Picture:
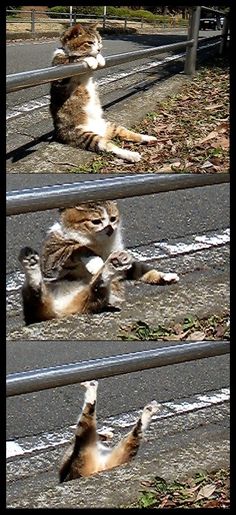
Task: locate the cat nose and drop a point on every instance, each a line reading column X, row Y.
column 109, row 230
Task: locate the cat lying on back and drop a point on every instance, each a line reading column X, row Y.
column 86, row 454
column 81, row 266
column 75, row 106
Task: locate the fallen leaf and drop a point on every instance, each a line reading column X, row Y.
column 205, row 492
column 223, row 142
column 212, row 134
column 196, row 335
column 207, row 164
column 220, row 331
column 212, row 107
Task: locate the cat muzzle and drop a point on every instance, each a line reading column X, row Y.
column 109, row 230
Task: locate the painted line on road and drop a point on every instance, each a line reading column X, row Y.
column 45, row 441
column 192, row 244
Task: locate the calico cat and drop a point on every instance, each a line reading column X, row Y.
column 81, row 265
column 86, row 455
column 74, row 102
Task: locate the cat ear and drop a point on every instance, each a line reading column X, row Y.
column 76, row 30
column 72, row 32
column 94, row 25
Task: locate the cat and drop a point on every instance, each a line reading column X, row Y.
column 82, row 266
column 86, row 455
column 74, row 102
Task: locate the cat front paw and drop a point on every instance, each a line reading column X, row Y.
column 101, row 61
column 91, row 62
column 28, row 258
column 121, row 260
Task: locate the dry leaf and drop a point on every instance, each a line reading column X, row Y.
column 212, row 134
column 212, row 107
column 207, row 164
column 205, row 492
column 223, row 142
column 196, row 335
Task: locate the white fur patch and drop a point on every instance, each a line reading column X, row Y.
column 91, row 391
column 133, row 157
column 33, row 275
column 95, row 121
column 58, row 51
column 147, row 138
column 93, row 264
column 64, row 293
column 101, row 61
column 171, row 277
column 91, row 62
column 147, row 414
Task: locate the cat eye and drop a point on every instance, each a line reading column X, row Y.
column 96, row 221
column 113, row 218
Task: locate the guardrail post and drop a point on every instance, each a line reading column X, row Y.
column 104, row 21
column 141, row 23
column 125, row 26
column 74, row 18
column 33, row 21
column 71, row 16
column 224, row 35
column 191, row 52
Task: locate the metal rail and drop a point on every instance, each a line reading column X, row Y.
column 17, row 81
column 63, row 375
column 63, row 195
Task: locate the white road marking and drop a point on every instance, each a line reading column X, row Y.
column 26, row 446
column 13, row 449
column 194, row 243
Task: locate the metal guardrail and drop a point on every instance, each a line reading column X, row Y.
column 17, row 81
column 55, row 196
column 63, row 375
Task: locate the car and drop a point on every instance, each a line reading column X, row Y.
column 209, row 23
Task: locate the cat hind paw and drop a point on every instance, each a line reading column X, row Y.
column 148, row 139
column 170, row 278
